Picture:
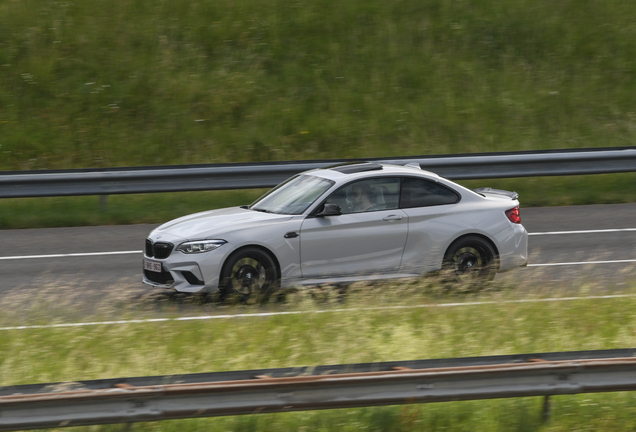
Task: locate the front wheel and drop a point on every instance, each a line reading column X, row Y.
column 470, row 260
column 250, row 272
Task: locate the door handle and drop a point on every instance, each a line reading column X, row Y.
column 391, row 218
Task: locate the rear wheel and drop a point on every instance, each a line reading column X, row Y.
column 249, row 273
column 470, row 260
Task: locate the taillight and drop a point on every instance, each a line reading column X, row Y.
column 513, row 215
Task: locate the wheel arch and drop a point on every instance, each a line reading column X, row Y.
column 481, row 236
column 244, row 247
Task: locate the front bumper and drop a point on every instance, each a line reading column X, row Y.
column 189, row 273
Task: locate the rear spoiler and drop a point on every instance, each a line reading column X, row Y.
column 491, row 191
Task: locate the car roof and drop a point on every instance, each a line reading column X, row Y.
column 355, row 167
column 353, row 170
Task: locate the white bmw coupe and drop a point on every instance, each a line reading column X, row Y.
column 343, row 223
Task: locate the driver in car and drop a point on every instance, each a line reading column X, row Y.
column 362, row 198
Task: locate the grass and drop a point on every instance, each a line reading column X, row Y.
column 94, row 84
column 358, row 335
column 115, row 209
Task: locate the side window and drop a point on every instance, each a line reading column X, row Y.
column 380, row 193
column 423, row 193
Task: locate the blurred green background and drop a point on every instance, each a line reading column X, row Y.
column 139, row 82
column 143, row 82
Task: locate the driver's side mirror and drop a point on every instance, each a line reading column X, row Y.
column 330, row 209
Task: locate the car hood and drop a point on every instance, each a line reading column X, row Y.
column 209, row 224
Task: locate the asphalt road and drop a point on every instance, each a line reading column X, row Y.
column 26, row 263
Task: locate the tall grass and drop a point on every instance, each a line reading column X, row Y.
column 361, row 334
column 141, row 82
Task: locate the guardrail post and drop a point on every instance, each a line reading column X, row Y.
column 547, row 409
column 102, row 202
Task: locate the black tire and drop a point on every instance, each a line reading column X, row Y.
column 249, row 273
column 470, row 260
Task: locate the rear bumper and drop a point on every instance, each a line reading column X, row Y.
column 513, row 247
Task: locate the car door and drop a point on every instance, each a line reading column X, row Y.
column 435, row 216
column 363, row 239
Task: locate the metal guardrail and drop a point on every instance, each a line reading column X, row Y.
column 22, row 184
column 326, row 387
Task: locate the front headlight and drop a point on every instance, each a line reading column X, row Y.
column 200, row 246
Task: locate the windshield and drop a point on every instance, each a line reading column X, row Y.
column 293, row 196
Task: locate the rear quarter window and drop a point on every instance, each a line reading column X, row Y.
column 424, row 193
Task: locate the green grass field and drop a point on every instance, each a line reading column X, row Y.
column 125, row 83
